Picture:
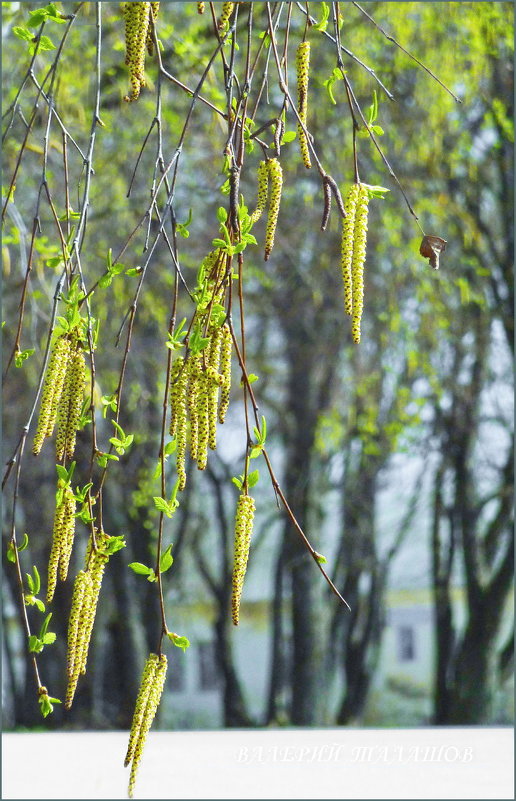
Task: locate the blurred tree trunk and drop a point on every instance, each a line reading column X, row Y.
column 467, row 662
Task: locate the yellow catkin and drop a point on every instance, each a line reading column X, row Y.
column 276, row 181
column 200, row 8
column 153, row 698
column 74, row 620
column 227, row 10
column 96, row 569
column 179, row 414
column 84, row 607
column 302, row 68
column 77, row 370
column 357, row 266
column 225, row 369
column 263, row 191
column 77, row 634
column 215, row 381
column 58, row 538
column 348, row 230
column 203, row 418
column 68, row 532
column 136, row 33
column 146, row 682
column 51, row 392
column 154, row 9
column 174, row 374
column 192, row 397
column 243, row 531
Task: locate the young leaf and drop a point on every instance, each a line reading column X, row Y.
column 253, row 478
column 163, row 506
column 35, row 644
column 11, row 552
column 320, row 558
column 24, row 543
column 140, row 569
column 166, row 560
column 21, row 356
column 180, row 642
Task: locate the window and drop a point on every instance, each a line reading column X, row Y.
column 208, row 668
column 406, row 644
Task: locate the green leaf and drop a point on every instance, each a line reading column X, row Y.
column 141, row 570
column 37, row 580
column 170, row 447
column 23, row 33
column 180, row 642
column 252, row 378
column 323, row 24
column 44, row 43
column 376, row 191
column 133, row 271
column 103, row 458
column 105, row 281
column 11, row 552
column 22, row 355
column 62, row 473
column 46, row 704
column 163, row 506
column 114, row 544
column 166, row 560
column 287, row 137
column 320, row 558
column 24, row 543
column 255, row 453
column 44, row 626
column 35, row 644
column 39, row 604
column 222, row 214
column 218, row 243
column 49, row 638
column 237, row 482
column 253, row 478
column 30, row 583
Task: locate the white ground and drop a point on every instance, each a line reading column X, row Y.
column 454, row 763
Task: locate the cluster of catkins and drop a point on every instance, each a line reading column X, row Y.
column 147, row 702
column 138, row 40
column 86, row 592
column 269, row 172
column 62, row 536
column 62, row 396
column 354, row 235
column 243, row 531
column 200, row 382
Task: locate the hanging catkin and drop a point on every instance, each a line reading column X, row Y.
column 357, row 266
column 348, row 232
column 227, row 10
column 276, row 182
column 243, row 531
column 62, row 539
column 302, row 68
column 147, row 702
column 137, row 40
column 263, row 191
column 51, row 392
